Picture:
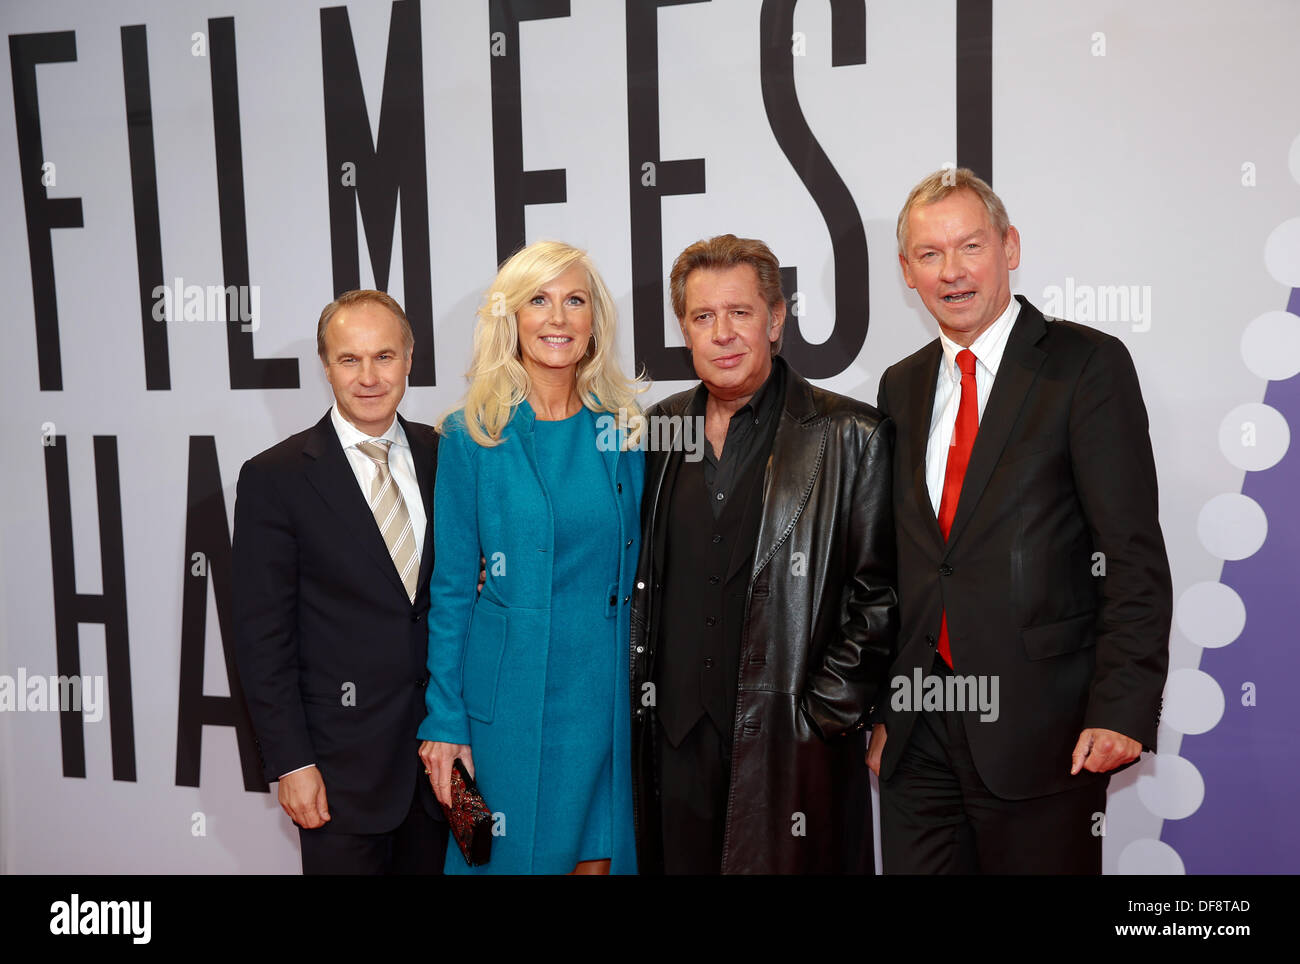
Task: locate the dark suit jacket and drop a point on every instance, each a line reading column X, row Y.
column 1061, row 488
column 331, row 651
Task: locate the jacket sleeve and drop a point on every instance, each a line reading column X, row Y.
column 1115, row 477
column 452, row 585
column 264, row 605
column 882, row 396
column 876, row 713
column 840, row 692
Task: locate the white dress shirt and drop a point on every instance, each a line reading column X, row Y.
column 987, row 349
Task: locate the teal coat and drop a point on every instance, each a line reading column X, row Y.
column 488, row 651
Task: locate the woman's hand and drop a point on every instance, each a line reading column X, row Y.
column 438, row 758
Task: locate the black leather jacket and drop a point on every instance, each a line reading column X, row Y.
column 821, row 622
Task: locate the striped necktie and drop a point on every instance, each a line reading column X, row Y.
column 391, row 516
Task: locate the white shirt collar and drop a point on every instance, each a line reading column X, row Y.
column 350, row 435
column 987, row 348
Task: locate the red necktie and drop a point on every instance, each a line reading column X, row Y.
column 963, row 440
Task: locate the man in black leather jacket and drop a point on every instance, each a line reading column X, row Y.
column 765, row 611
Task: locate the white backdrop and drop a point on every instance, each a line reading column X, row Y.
column 1136, row 145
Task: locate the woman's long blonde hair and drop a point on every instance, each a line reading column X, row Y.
column 498, row 381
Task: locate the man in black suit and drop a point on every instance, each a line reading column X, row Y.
column 331, row 557
column 1033, row 581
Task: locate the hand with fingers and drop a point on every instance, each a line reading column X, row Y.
column 438, row 758
column 302, row 797
column 1100, row 751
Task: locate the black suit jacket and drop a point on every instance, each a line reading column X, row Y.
column 1054, row 575
column 331, row 651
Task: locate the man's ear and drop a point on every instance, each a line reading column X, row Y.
column 907, row 272
column 776, row 321
column 1011, row 247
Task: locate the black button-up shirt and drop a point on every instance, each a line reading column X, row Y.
column 749, row 432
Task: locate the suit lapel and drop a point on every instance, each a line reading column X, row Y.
column 330, row 473
column 611, row 458
column 797, row 449
column 667, row 478
column 664, row 466
column 521, row 427
column 424, row 457
column 920, row 399
column 1016, row 373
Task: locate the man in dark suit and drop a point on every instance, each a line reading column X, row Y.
column 331, row 557
column 1033, row 582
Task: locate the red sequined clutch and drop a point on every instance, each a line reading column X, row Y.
column 469, row 818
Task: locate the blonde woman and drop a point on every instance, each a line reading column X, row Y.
column 529, row 678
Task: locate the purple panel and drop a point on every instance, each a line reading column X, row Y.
column 1247, row 823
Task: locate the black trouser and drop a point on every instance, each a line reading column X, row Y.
column 693, row 779
column 418, row 845
column 938, row 817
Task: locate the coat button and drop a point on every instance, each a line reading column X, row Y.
column 713, row 580
column 629, row 543
column 945, row 570
column 620, row 486
column 640, row 649
column 711, row 621
column 717, row 539
column 640, row 585
column 625, row 600
column 708, row 663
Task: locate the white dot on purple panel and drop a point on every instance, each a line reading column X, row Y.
column 1147, row 856
column 1171, row 787
column 1282, row 253
column 1254, row 436
column 1232, row 526
column 1270, row 345
column 1194, row 701
column 1210, row 614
